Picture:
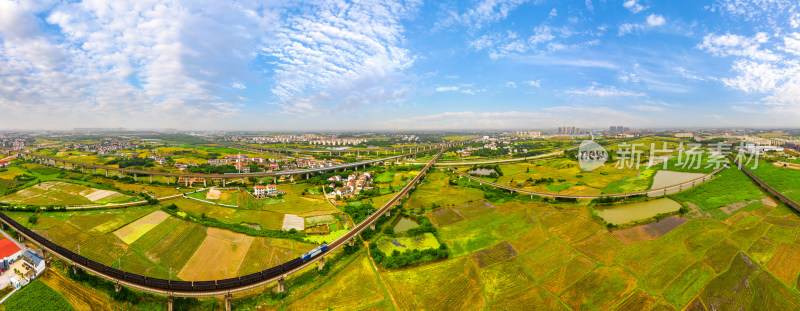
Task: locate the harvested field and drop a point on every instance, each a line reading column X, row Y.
column 720, row 255
column 492, row 255
column 355, row 287
column 731, row 290
column 133, row 231
column 530, row 240
column 291, row 221
column 183, row 250
column 474, row 209
column 80, row 298
column 105, row 249
column 770, row 294
column 535, row 296
column 546, row 258
column 576, row 229
column 657, row 278
column 600, row 246
column 451, row 284
column 681, row 290
column 649, row 231
column 599, row 289
column 504, row 279
column 568, row 274
column 443, row 216
column 783, row 264
column 228, row 249
column 638, row 301
column 65, row 235
column 763, row 249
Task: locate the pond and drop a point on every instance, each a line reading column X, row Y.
column 665, row 178
column 404, row 224
column 625, row 213
column 482, row 171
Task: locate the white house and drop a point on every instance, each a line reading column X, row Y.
column 33, row 261
column 260, row 190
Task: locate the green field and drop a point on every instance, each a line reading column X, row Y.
column 388, row 244
column 37, row 296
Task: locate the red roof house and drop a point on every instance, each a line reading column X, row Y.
column 9, row 250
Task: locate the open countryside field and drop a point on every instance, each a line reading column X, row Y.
column 62, row 193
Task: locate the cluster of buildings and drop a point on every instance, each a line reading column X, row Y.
column 351, row 185
column 243, row 162
column 618, row 129
column 273, row 139
column 337, row 141
column 569, row 130
column 107, row 146
column 15, row 144
column 529, row 134
column 265, row 190
column 21, row 266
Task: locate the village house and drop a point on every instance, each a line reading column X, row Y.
column 4, row 163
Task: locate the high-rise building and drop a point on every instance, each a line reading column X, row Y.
column 618, row 129
column 569, row 130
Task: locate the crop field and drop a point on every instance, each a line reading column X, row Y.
column 504, row 279
column 474, row 209
column 551, row 255
column 782, row 263
column 566, row 275
column 97, row 223
column 402, row 244
column 133, row 231
column 105, row 248
column 80, row 298
column 156, row 234
column 451, row 284
column 340, row 294
column 471, row 235
column 37, row 296
column 228, row 250
column 599, row 289
column 62, row 193
column 688, row 284
column 718, row 192
column 265, row 219
column 782, row 179
column 433, row 190
column 177, row 246
column 566, row 177
column 732, row 288
column 492, row 255
column 444, row 216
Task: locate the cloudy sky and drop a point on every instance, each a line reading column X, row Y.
column 384, row 64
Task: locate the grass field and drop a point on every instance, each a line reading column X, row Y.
column 451, row 284
column 718, row 192
column 339, row 294
column 387, row 245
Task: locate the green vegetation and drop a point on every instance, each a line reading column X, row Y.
column 37, row 296
column 728, row 187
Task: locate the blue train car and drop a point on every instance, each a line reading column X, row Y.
column 314, row 252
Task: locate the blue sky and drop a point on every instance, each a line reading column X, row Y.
column 374, row 65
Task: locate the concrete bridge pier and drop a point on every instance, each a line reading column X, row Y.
column 117, row 287
column 106, row 172
column 168, row 180
column 351, row 242
column 135, row 178
column 389, row 212
column 228, row 302
column 291, row 178
column 151, row 179
column 321, row 264
column 281, row 288
column 372, row 226
column 82, row 170
column 170, row 303
column 274, row 179
column 205, row 183
column 224, row 182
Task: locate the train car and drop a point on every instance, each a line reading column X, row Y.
column 96, row 266
column 204, row 285
column 228, row 283
column 251, row 278
column 79, row 259
column 157, row 283
column 115, row 273
column 272, row 272
column 291, row 264
column 314, row 252
column 180, row 285
column 134, row 278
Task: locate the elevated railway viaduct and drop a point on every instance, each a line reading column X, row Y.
column 226, row 287
column 224, row 178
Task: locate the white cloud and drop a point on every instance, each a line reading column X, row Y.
column 736, row 45
column 589, row 5
column 533, row 83
column 649, row 108
column 447, row 88
column 603, row 91
column 791, row 43
column 341, row 56
column 484, row 13
column 633, row 6
column 511, row 84
column 654, row 20
column 238, row 86
column 553, row 13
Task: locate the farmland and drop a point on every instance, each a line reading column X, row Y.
column 37, row 296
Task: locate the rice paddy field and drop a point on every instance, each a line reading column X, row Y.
column 63, row 193
column 557, row 256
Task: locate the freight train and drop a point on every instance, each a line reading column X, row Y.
column 196, row 286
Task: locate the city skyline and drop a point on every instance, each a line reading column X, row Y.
column 399, row 65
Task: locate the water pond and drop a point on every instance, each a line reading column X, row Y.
column 404, row 224
column 625, row 213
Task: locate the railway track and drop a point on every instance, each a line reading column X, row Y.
column 213, row 287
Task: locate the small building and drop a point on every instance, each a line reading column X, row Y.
column 35, row 262
column 16, row 281
column 9, row 251
column 272, row 189
column 260, row 191
column 5, row 163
